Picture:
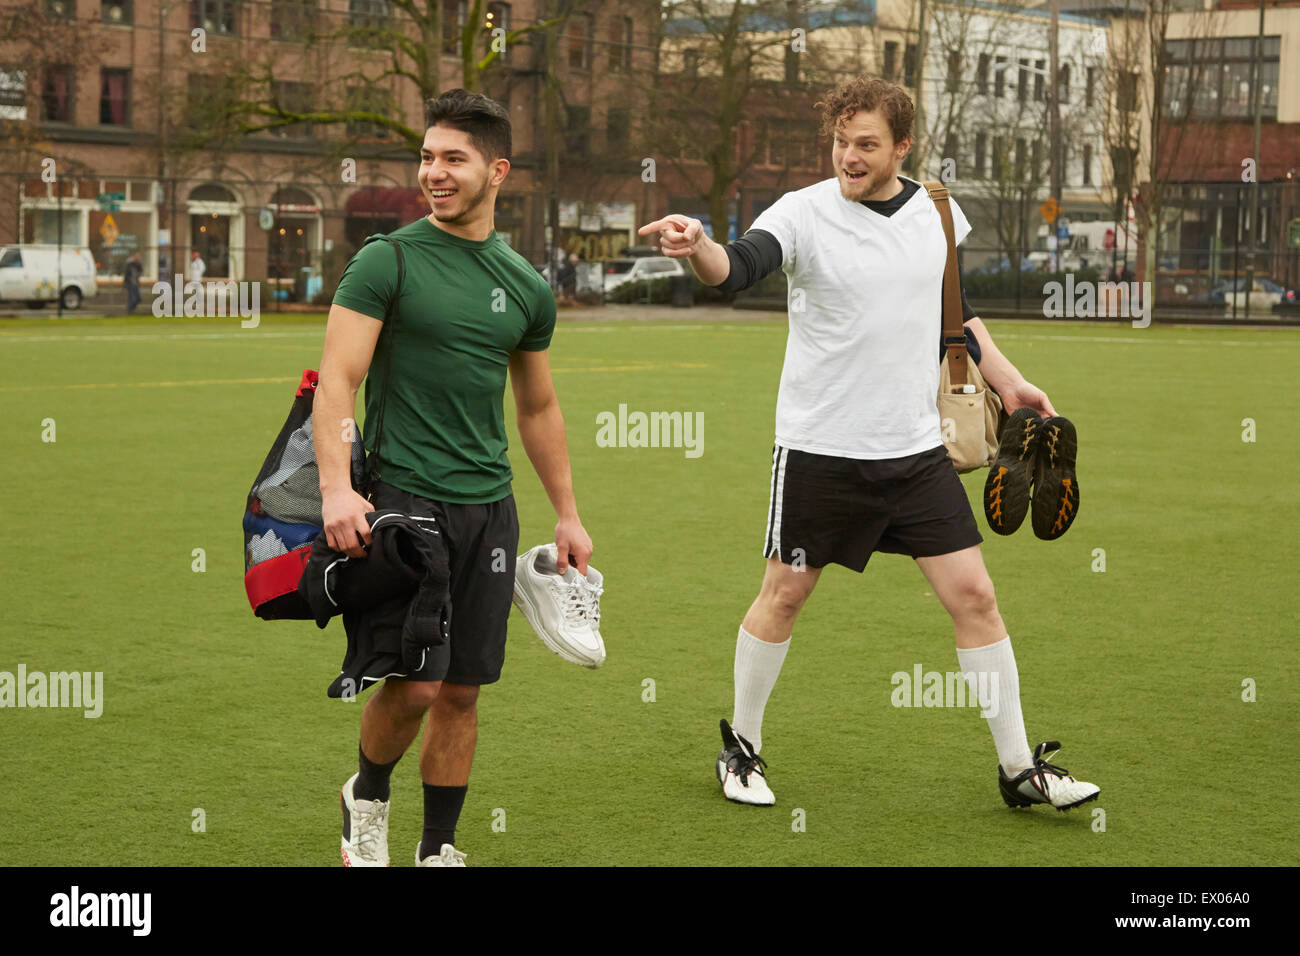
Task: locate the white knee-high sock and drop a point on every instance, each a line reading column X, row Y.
column 1005, row 720
column 758, row 664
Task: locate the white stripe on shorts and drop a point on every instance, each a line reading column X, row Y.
column 773, row 543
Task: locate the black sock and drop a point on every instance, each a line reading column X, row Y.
column 372, row 781
column 441, row 811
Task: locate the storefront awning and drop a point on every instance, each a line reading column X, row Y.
column 405, row 204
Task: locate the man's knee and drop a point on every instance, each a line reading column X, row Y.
column 975, row 597
column 457, row 698
column 411, row 697
column 787, row 591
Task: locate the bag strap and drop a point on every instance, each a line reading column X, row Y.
column 390, row 328
column 954, row 335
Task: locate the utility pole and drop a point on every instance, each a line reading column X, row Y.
column 919, row 69
column 552, row 107
column 1054, row 118
column 1256, row 73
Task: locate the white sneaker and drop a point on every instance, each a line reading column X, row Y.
column 365, row 829
column 449, row 856
column 1045, row 783
column 740, row 771
column 564, row 610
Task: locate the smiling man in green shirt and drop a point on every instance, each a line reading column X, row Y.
column 470, row 309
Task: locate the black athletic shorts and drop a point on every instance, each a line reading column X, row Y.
column 825, row 509
column 481, row 544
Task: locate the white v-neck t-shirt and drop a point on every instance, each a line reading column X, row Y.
column 865, row 301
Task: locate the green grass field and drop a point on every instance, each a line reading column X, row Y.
column 1139, row 670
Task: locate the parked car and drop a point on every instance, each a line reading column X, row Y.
column 1263, row 295
column 31, row 274
column 620, row 272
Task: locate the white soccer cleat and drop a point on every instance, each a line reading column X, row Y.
column 449, row 856
column 1045, row 783
column 365, row 829
column 564, row 609
column 740, row 772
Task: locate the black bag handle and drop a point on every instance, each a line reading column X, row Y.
column 390, row 328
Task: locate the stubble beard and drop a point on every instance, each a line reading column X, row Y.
column 466, row 213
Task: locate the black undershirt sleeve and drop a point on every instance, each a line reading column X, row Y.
column 753, row 256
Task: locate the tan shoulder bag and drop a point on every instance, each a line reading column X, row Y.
column 970, row 413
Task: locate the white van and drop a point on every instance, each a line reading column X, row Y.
column 31, row 274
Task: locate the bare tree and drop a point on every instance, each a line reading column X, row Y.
column 726, row 56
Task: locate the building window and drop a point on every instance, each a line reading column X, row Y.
column 620, row 47
column 691, row 62
column 909, row 65
column 580, row 42
column 294, row 98
column 617, row 130
column 981, row 149
column 61, row 9
column 454, row 13
column 1063, row 87
column 890, row 70
column 368, row 99
column 1090, row 86
column 114, row 97
column 954, row 71
column 13, row 93
column 1087, row 164
column 213, row 16
column 1211, row 79
column 1022, row 82
column 1000, row 78
column 999, row 151
column 1020, row 160
column 577, row 129
column 1039, row 66
column 982, row 75
column 368, row 21
column 292, row 19
column 116, row 12
column 497, row 17
column 951, row 145
column 1127, row 93
column 56, row 95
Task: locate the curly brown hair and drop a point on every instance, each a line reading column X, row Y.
column 868, row 93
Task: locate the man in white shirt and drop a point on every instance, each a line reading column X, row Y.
column 197, row 267
column 859, row 465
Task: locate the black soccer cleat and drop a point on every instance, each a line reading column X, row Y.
column 1006, row 491
column 1045, row 783
column 1056, row 486
column 739, row 769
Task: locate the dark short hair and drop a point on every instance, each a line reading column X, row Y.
column 485, row 120
column 868, row 93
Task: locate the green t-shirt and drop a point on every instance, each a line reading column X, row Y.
column 465, row 306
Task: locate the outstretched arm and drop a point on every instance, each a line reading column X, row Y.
column 683, row 237
column 541, row 428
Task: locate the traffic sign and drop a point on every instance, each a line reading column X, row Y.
column 108, row 231
column 1050, row 209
